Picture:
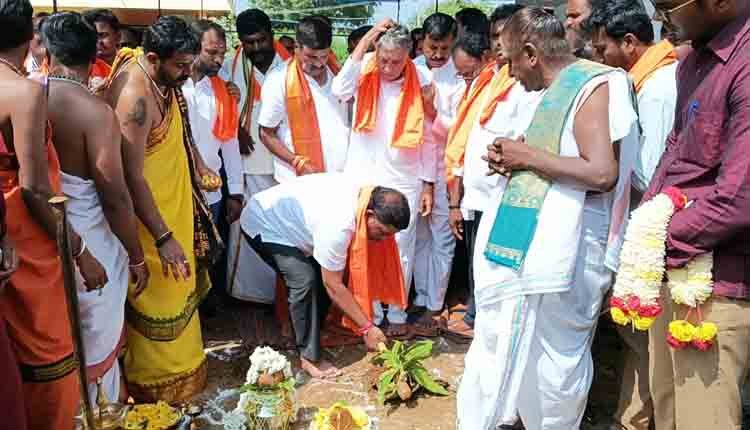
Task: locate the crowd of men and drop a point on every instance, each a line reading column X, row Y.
column 280, row 175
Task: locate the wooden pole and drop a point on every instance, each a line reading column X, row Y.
column 71, row 298
column 54, row 6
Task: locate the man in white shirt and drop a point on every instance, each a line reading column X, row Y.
column 247, row 69
column 301, row 122
column 502, row 112
column 305, row 228
column 435, row 243
column 203, row 109
column 624, row 37
column 386, row 144
column 539, row 262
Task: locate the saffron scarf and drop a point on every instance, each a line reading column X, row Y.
column 468, row 111
column 303, row 119
column 516, row 221
column 657, row 56
column 227, row 115
column 409, row 128
column 333, row 63
column 374, row 266
column 100, row 69
column 499, row 89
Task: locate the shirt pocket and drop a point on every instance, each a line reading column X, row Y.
column 701, row 143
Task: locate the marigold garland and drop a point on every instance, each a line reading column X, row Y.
column 635, row 299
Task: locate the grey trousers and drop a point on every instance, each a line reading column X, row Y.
column 308, row 300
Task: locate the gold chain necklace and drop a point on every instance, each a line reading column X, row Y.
column 68, row 79
column 156, row 87
column 11, row 66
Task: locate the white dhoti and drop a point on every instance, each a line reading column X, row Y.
column 249, row 277
column 102, row 316
column 435, row 246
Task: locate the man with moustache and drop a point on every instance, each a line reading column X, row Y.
column 248, row 68
column 302, row 122
column 214, row 120
column 108, row 42
column 165, row 358
column 435, row 243
column 706, row 158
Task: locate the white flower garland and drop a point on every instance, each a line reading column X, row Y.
column 635, row 297
column 265, row 360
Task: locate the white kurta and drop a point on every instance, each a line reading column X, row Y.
column 331, row 113
column 313, row 213
column 656, row 107
column 531, row 352
column 372, row 159
column 435, row 242
column 102, row 316
column 248, row 276
column 202, row 111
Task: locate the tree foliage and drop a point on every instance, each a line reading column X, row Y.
column 450, row 7
column 281, row 11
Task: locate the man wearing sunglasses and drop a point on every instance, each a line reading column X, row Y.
column 706, row 158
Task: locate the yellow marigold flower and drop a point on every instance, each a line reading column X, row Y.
column 643, row 323
column 706, row 331
column 682, row 330
column 618, row 316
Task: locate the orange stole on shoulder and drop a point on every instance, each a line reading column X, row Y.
column 499, row 89
column 100, row 69
column 374, row 267
column 227, row 113
column 303, row 119
column 468, row 111
column 660, row 55
column 409, row 128
column 281, row 50
column 333, row 63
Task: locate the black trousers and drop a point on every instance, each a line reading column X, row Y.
column 308, row 300
column 470, row 231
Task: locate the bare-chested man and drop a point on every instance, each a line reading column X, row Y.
column 165, row 358
column 87, row 137
column 33, row 303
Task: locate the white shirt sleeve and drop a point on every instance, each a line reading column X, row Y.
column 344, row 85
column 230, row 151
column 656, row 107
column 428, row 155
column 273, row 94
column 331, row 246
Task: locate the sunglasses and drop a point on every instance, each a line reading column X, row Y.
column 664, row 14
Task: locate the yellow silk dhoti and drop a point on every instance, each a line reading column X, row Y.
column 165, row 358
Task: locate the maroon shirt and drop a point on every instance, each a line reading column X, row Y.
column 708, row 158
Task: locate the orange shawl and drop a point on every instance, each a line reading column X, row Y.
column 659, row 55
column 227, row 114
column 100, row 69
column 333, row 63
column 470, row 109
column 374, row 266
column 409, row 127
column 303, row 120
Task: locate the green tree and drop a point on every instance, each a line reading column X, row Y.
column 450, row 7
column 282, row 10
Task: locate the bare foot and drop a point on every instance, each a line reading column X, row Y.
column 320, row 370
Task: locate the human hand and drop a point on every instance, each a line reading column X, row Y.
column 383, row 25
column 247, row 146
column 308, row 169
column 8, row 262
column 456, row 223
column 173, row 260
column 506, row 155
column 234, row 209
column 233, row 90
column 427, row 199
column 374, row 337
column 139, row 275
column 93, row 273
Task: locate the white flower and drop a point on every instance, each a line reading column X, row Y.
column 265, row 360
column 693, row 284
